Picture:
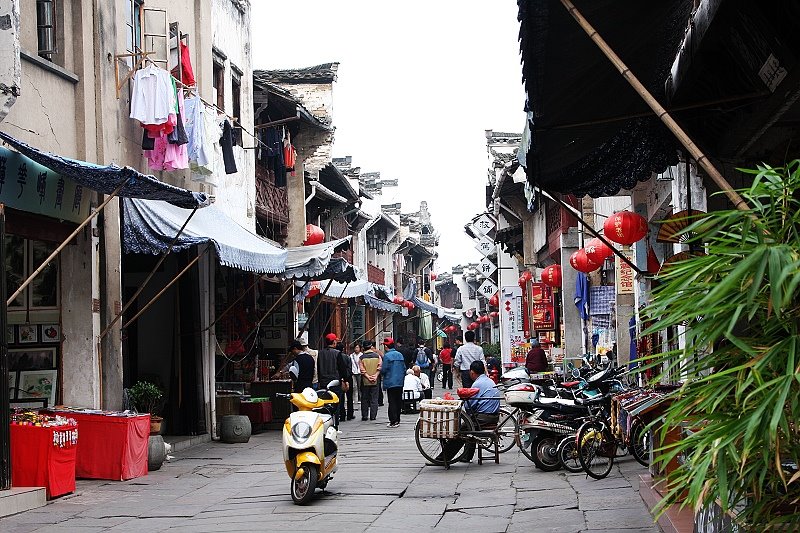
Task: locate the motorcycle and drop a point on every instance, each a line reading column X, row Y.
column 310, row 441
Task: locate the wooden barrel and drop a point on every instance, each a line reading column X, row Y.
column 235, row 428
column 156, row 452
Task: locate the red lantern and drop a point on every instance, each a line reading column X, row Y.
column 525, row 278
column 313, row 289
column 399, row 300
column 581, row 263
column 625, row 227
column 433, row 276
column 494, row 301
column 314, row 235
column 494, row 314
column 409, row 305
column 551, row 276
column 597, row 251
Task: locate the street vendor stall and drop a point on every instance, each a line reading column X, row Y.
column 43, row 451
column 113, row 445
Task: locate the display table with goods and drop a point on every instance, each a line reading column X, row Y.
column 258, row 410
column 280, row 406
column 43, row 450
column 113, row 445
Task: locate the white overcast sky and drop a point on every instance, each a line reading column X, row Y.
column 419, row 82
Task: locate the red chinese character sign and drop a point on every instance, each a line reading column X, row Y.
column 542, row 307
column 625, row 275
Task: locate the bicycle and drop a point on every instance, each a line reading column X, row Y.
column 452, row 437
column 596, row 445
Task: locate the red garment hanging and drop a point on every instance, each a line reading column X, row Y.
column 186, row 70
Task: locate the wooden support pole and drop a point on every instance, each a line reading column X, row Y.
column 658, row 109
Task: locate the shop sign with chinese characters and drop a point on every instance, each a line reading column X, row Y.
column 28, row 186
column 542, row 310
column 484, row 224
column 625, row 276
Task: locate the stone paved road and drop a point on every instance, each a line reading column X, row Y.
column 382, row 485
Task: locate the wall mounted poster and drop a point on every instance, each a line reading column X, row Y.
column 38, row 384
column 31, row 358
column 51, row 333
column 28, row 333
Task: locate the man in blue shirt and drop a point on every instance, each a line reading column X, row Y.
column 485, row 404
column 393, row 371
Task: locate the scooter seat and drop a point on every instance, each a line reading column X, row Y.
column 591, row 401
column 569, row 384
column 324, row 395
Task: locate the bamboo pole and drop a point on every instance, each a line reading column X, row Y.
column 659, row 110
column 149, row 277
column 162, row 291
column 65, row 243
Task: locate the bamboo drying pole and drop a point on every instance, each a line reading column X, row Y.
column 659, row 110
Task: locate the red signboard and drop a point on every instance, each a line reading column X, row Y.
column 542, row 311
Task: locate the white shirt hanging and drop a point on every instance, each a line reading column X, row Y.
column 152, row 95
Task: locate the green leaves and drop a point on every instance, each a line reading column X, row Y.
column 741, row 302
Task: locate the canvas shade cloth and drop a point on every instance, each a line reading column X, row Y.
column 573, row 89
column 410, row 293
column 315, row 262
column 106, row 179
column 151, row 225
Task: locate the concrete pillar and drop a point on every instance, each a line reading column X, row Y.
column 296, row 190
column 80, row 379
column 573, row 325
column 111, row 361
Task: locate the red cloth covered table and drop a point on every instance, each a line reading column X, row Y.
column 37, row 462
column 112, row 447
column 257, row 412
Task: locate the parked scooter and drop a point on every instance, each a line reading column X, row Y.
column 310, row 441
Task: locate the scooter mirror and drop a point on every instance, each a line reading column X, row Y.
column 334, row 383
column 576, row 373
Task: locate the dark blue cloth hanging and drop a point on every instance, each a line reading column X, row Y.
column 105, row 179
column 582, row 295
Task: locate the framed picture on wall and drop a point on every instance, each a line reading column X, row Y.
column 51, row 333
column 28, row 403
column 31, row 358
column 28, row 333
column 38, row 384
column 12, row 385
column 279, row 319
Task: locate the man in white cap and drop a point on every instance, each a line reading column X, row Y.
column 303, row 340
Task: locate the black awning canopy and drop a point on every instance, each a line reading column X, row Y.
column 591, row 133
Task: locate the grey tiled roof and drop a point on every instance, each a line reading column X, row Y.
column 325, row 73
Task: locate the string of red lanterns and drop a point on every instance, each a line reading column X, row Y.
column 551, row 276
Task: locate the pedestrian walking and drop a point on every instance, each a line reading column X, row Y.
column 355, row 360
column 303, row 340
column 346, row 411
column 331, row 365
column 446, row 358
column 393, row 370
column 305, row 367
column 465, row 355
column 369, row 371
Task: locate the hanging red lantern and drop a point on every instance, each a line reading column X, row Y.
column 398, row 300
column 494, row 301
column 433, row 276
column 525, row 278
column 494, row 314
column 313, row 289
column 551, row 276
column 409, row 305
column 581, row 263
column 625, row 227
column 314, row 235
column 597, row 251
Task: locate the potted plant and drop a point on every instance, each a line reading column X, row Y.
column 739, row 304
column 147, row 398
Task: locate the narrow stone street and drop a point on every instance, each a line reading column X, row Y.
column 382, row 485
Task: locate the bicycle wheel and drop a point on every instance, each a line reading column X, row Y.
column 568, row 455
column 543, row 449
column 433, row 450
column 507, row 430
column 596, row 449
column 640, row 443
column 524, row 440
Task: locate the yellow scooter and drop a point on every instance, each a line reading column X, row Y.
column 310, row 441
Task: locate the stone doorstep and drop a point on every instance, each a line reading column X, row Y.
column 674, row 520
column 21, row 499
column 180, row 442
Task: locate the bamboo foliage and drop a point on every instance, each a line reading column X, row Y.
column 740, row 306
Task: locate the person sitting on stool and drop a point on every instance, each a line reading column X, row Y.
column 427, row 392
column 485, row 404
column 412, row 384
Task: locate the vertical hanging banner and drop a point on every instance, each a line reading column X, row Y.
column 542, row 310
column 357, row 324
column 625, row 276
column 512, row 340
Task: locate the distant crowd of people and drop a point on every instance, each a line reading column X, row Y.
column 398, row 368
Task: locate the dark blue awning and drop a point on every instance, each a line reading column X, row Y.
column 410, row 294
column 106, row 179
